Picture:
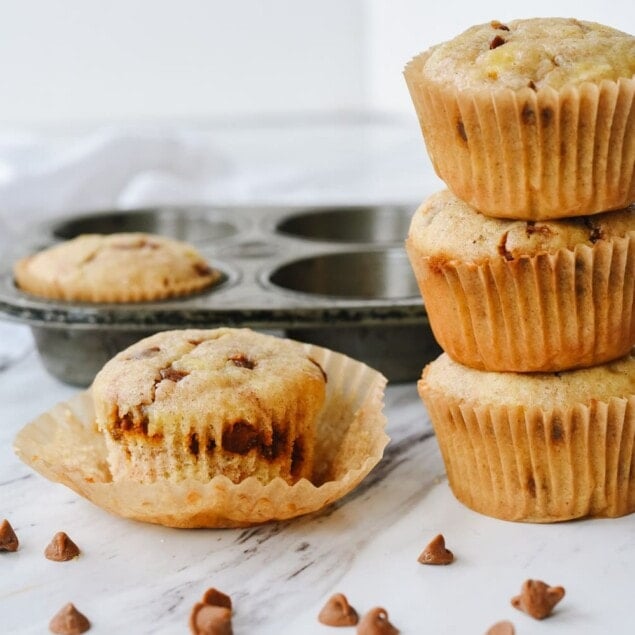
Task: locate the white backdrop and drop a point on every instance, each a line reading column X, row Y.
column 68, row 62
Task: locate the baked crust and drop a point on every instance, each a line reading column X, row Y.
column 123, row 267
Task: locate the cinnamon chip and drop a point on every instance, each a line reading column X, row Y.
column 8, row 540
column 338, row 612
column 537, row 598
column 436, row 553
column 501, row 628
column 69, row 621
column 212, row 615
column 206, row 619
column 61, row 548
column 375, row 622
column 214, row 597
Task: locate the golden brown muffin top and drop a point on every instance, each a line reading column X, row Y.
column 184, row 375
column 123, row 267
column 446, row 227
column 542, row 390
column 532, row 53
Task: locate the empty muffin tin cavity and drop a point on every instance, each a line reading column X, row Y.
column 337, row 277
column 378, row 225
column 365, row 275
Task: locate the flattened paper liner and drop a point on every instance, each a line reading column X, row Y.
column 64, row 446
column 530, row 154
column 549, row 312
column 528, row 464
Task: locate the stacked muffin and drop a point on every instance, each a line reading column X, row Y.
column 527, row 265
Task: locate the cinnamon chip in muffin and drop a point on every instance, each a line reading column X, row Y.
column 338, row 612
column 8, row 540
column 537, row 598
column 436, row 553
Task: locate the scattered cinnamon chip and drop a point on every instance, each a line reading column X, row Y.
column 8, row 540
column 338, row 612
column 537, row 598
column 61, row 548
column 501, row 628
column 375, row 622
column 496, row 42
column 436, row 553
column 206, row 619
column 69, row 621
column 212, row 615
column 214, row 597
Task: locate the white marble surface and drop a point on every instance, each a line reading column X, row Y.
column 142, row 579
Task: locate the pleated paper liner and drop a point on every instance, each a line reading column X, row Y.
column 64, row 446
column 530, row 154
column 529, row 464
column 549, row 312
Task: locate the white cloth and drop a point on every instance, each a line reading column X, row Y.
column 314, row 163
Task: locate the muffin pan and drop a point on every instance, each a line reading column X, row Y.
column 336, row 277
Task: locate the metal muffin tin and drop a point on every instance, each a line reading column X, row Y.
column 337, row 277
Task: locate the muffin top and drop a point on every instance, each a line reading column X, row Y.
column 124, row 267
column 532, row 53
column 446, row 227
column 174, row 376
column 542, row 390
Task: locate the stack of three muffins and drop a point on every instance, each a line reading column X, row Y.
column 528, row 281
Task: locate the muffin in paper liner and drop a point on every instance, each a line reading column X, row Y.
column 534, row 463
column 539, row 311
column 64, row 446
column 530, row 154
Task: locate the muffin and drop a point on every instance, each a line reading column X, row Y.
column 524, row 296
column 531, row 119
column 125, row 267
column 200, row 403
column 536, row 447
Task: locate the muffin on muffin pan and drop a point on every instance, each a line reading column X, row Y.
column 525, row 296
column 531, row 119
column 536, row 447
column 124, row 267
column 201, row 403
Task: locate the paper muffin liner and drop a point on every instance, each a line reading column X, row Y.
column 530, row 154
column 64, row 446
column 549, row 312
column 527, row 464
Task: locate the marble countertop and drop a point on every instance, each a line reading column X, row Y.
column 144, row 579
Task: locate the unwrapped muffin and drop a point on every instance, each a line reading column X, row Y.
column 202, row 403
column 525, row 295
column 536, row 447
column 531, row 119
column 125, row 267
